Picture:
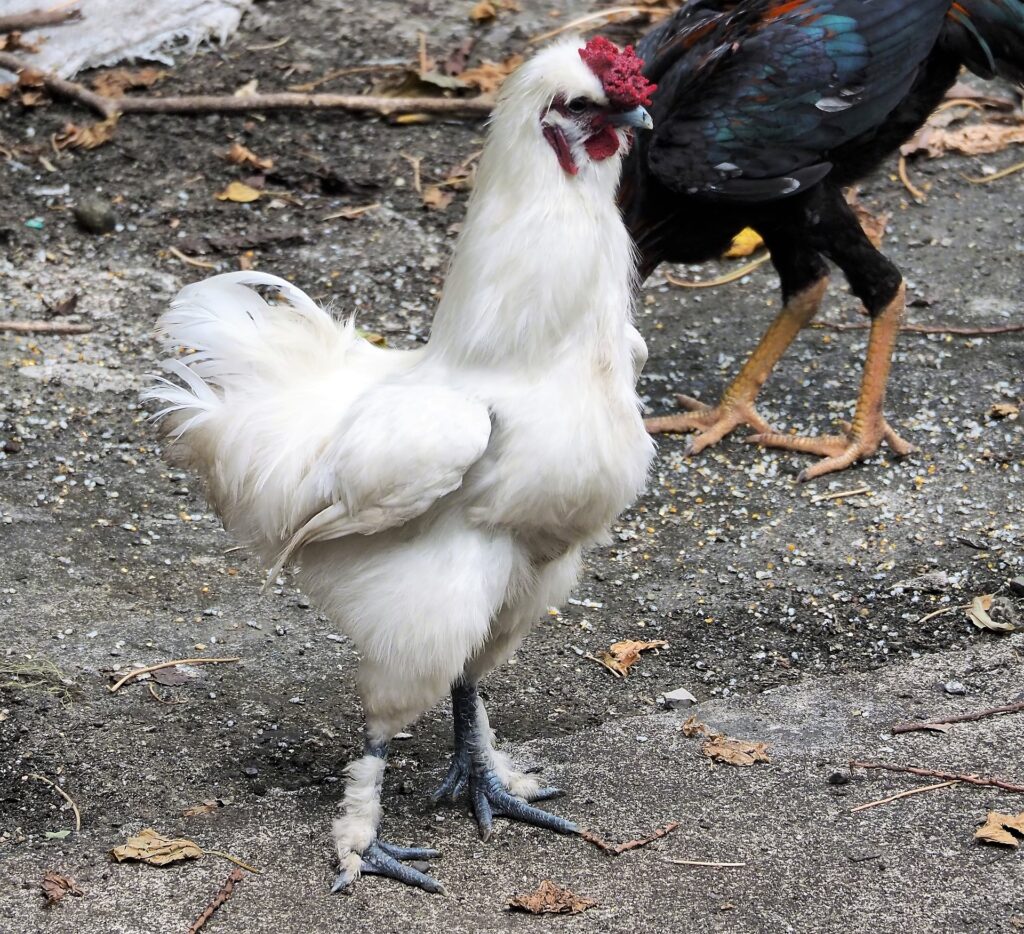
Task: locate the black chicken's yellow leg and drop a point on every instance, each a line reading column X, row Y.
column 862, row 437
column 736, row 407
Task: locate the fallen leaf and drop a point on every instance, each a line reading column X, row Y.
column 622, row 656
column 239, row 192
column 488, row 76
column 115, row 82
column 378, row 340
column 693, row 727
column 248, row 89
column 436, row 199
column 872, row 224
column 1004, row 410
column 170, row 677
column 6, row 90
column 1004, row 829
column 14, row 41
column 66, row 306
column 55, row 887
column 735, row 751
column 483, row 12
column 978, row 613
column 153, row 848
column 552, row 899
column 746, row 242
column 978, row 139
column 90, row 136
column 238, row 154
column 30, row 77
column 458, row 58
column 207, row 807
column 56, row 834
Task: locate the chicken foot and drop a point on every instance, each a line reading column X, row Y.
column 360, row 851
column 864, row 435
column 736, row 407
column 494, row 787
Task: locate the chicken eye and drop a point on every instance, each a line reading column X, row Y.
column 577, row 105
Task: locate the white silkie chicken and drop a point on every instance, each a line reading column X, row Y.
column 436, row 501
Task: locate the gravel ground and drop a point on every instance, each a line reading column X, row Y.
column 111, row 559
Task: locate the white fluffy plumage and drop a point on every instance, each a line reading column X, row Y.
column 434, row 502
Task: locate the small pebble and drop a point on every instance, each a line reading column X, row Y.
column 95, row 214
column 954, row 687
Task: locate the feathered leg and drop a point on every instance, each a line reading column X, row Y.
column 736, row 407
column 495, row 788
column 360, row 851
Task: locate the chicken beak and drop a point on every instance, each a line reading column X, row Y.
column 638, row 117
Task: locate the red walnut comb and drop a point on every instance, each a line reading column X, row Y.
column 620, row 72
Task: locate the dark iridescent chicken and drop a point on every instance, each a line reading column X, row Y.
column 764, row 111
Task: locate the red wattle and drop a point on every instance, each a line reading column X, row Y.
column 603, row 144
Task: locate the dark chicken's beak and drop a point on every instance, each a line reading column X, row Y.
column 638, row 117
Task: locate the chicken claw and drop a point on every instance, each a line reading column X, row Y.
column 712, row 423
column 384, row 859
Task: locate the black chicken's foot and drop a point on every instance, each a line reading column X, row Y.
column 385, row 859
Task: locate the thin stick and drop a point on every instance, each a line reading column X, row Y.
column 106, row 107
column 721, row 280
column 64, row 795
column 223, row 894
column 341, row 72
column 233, row 859
column 190, row 260
column 841, row 494
column 44, row 327
column 911, row 726
column 936, row 773
column 904, row 174
column 178, row 661
column 159, row 699
column 617, row 849
column 944, row 610
column 925, row 328
column 995, row 176
column 218, row 103
column 902, row 794
column 600, row 16
column 701, row 862
column 348, row 214
column 23, row 22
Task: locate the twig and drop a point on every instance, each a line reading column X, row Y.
column 22, row 22
column 701, row 862
column 348, row 214
column 902, row 794
column 911, row 726
column 617, row 849
column 219, row 103
column 936, row 773
column 341, row 72
column 721, row 280
column 190, row 260
column 600, row 16
column 925, row 328
column 232, row 859
column 161, row 700
column 178, row 661
column 944, row 610
column 223, row 894
column 901, row 170
column 995, row 176
column 64, row 795
column 44, row 327
column 841, row 494
column 106, row 107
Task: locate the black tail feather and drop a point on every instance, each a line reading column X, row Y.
column 988, row 36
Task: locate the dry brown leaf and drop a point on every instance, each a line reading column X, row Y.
column 1001, row 829
column 239, row 192
column 693, row 727
column 207, row 807
column 55, row 887
column 153, row 848
column 1004, row 410
column 622, row 656
column 746, row 242
column 30, row 77
column 552, row 899
column 6, row 90
column 735, row 751
column 872, row 224
column 90, row 136
column 483, row 12
column 435, row 199
column 115, row 82
column 32, row 99
column 238, row 154
column 978, row 614
column 978, row 139
column 488, row 76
